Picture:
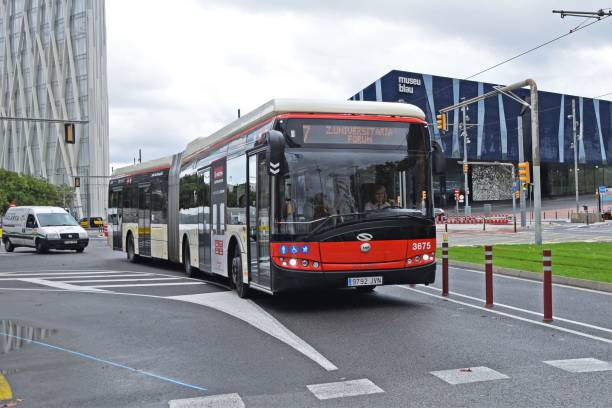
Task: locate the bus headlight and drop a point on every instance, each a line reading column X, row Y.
column 293, row 262
column 426, row 257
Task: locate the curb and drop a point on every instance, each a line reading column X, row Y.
column 580, row 283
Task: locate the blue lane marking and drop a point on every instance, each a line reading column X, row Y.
column 90, row 357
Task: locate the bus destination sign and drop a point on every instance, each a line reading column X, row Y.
column 354, row 135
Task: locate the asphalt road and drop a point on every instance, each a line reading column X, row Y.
column 103, row 339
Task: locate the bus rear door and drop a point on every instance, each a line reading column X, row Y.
column 204, row 220
column 144, row 220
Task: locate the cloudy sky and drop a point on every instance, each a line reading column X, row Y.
column 180, row 70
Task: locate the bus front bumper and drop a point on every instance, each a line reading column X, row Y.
column 286, row 280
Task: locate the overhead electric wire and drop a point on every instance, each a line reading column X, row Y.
column 572, row 31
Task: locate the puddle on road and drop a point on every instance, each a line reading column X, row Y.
column 14, row 335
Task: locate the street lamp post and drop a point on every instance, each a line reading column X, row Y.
column 574, row 130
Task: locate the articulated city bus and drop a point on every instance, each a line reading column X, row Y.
column 296, row 194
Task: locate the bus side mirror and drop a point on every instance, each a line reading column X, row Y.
column 438, row 159
column 275, row 154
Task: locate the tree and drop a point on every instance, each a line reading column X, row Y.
column 28, row 190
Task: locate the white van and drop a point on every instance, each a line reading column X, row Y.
column 42, row 228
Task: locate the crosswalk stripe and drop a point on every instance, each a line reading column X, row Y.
column 119, row 280
column 66, row 273
column 469, row 375
column 60, row 285
column 213, row 401
column 148, row 284
column 344, row 389
column 74, row 277
column 581, row 365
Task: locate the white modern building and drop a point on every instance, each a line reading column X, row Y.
column 53, row 66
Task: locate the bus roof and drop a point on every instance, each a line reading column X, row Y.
column 279, row 106
column 151, row 165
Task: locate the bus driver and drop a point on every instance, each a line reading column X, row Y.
column 380, row 199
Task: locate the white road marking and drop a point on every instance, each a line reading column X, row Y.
column 148, row 284
column 67, row 273
column 251, row 313
column 599, row 292
column 343, row 389
column 469, row 375
column 66, row 278
column 214, row 401
column 581, row 365
column 119, row 280
column 561, row 319
column 60, row 285
column 539, row 323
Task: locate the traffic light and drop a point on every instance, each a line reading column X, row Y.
column 424, row 195
column 69, row 135
column 442, row 122
column 466, row 167
column 524, row 173
column 77, row 182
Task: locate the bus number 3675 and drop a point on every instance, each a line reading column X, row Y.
column 421, row 246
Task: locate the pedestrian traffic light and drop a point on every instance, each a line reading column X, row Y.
column 442, row 122
column 77, row 182
column 524, row 173
column 69, row 135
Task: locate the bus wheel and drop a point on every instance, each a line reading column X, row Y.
column 189, row 270
column 131, row 251
column 40, row 246
column 241, row 289
column 8, row 247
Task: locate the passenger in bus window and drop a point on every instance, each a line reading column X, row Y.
column 379, row 199
column 320, row 210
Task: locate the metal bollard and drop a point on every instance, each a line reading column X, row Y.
column 445, row 268
column 489, row 275
column 547, row 264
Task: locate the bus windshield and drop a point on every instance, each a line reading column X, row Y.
column 325, row 188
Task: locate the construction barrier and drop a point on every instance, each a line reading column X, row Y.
column 494, row 219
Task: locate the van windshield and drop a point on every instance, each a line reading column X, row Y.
column 55, row 219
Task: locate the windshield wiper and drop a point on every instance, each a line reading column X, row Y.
column 326, row 221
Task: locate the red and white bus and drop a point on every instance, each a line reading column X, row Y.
column 296, row 194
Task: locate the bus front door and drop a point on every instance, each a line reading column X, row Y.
column 116, row 203
column 144, row 220
column 259, row 220
column 204, row 220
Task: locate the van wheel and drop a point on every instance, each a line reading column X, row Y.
column 131, row 251
column 236, row 275
column 8, row 247
column 189, row 269
column 40, row 247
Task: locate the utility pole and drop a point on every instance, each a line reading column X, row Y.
column 465, row 161
column 535, row 139
column 575, row 146
column 521, row 154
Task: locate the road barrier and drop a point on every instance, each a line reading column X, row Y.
column 494, row 219
column 445, row 268
column 489, row 275
column 547, row 264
